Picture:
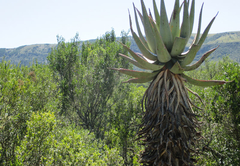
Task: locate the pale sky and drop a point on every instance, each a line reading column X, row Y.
column 25, row 22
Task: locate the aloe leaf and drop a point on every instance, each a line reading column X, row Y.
column 196, row 39
column 141, row 61
column 150, row 14
column 179, row 45
column 157, row 15
column 185, row 29
column 148, row 54
column 198, row 63
column 177, row 69
column 139, row 29
column 139, row 80
column 189, row 55
column 148, row 29
column 134, row 73
column 164, row 28
column 140, row 15
column 162, row 52
column 192, row 12
column 132, row 61
column 204, row 83
column 205, row 33
column 175, row 20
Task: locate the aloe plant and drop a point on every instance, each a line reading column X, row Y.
column 169, row 128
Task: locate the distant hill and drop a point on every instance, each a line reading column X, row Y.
column 27, row 54
column 228, row 42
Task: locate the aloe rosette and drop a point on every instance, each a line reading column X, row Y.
column 169, row 126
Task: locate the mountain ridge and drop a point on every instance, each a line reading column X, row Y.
column 228, row 42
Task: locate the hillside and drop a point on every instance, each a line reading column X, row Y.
column 228, row 42
column 27, row 54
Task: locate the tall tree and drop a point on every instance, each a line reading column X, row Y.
column 169, row 126
column 95, row 83
column 63, row 61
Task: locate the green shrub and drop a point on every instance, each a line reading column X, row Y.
column 35, row 147
column 73, row 146
column 23, row 90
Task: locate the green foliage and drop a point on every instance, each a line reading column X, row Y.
column 23, row 90
column 33, row 133
column 225, row 107
column 125, row 117
column 220, row 145
column 97, row 82
column 74, row 146
column 30, row 132
column 36, row 145
column 47, row 144
column 96, row 94
column 63, row 60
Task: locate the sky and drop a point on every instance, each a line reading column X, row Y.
column 26, row 22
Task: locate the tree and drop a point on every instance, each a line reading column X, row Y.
column 169, row 126
column 96, row 84
column 63, row 61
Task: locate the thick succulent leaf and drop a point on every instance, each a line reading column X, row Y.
column 204, row 83
column 132, row 61
column 185, row 29
column 178, row 46
column 175, row 20
column 139, row 29
column 162, row 52
column 165, row 28
column 141, row 61
column 196, row 39
column 140, row 15
column 177, row 69
column 205, row 33
column 139, row 80
column 134, row 73
column 146, row 59
column 156, row 13
column 192, row 12
column 150, row 14
column 189, row 55
column 148, row 29
column 148, row 54
column 198, row 63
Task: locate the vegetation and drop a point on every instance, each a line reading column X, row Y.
column 170, row 128
column 69, row 108
column 35, row 130
column 220, row 129
column 73, row 111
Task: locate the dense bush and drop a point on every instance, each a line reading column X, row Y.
column 23, row 90
column 47, row 144
column 98, row 124
column 220, row 117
